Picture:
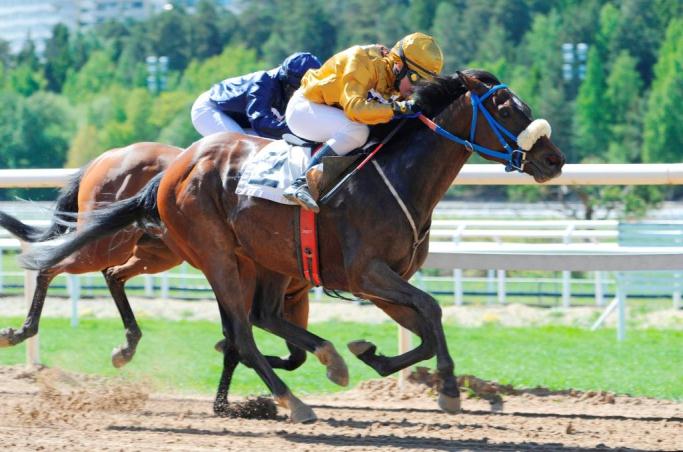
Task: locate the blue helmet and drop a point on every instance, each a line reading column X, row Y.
column 295, row 66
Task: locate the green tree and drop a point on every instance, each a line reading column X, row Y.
column 179, row 131
column 468, row 27
column 541, row 46
column 82, row 45
column 663, row 137
column 115, row 33
column 513, row 16
column 24, row 80
column 169, row 105
column 494, row 47
column 136, row 124
column 305, row 27
column 10, row 126
column 592, row 111
column 94, row 77
column 234, row 61
column 131, row 69
column 605, row 39
column 256, row 22
column 36, row 133
column 362, row 22
column 5, row 55
column 623, row 98
column 57, row 58
column 420, row 15
column 27, row 55
column 446, row 33
column 169, row 35
column 84, row 147
column 640, row 32
column 207, row 39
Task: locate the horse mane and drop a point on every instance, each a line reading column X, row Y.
column 434, row 96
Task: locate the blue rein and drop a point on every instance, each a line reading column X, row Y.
column 514, row 158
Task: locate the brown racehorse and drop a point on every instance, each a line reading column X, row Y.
column 374, row 230
column 118, row 174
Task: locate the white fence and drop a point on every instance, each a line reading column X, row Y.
column 458, row 256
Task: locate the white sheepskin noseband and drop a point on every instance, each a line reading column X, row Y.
column 529, row 136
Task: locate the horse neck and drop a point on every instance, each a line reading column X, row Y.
column 428, row 166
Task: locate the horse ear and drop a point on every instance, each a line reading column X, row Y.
column 471, row 83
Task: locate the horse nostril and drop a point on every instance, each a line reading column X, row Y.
column 553, row 160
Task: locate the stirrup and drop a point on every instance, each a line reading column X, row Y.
column 290, row 192
column 302, row 196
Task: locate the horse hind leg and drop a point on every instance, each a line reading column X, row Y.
column 267, row 313
column 10, row 336
column 122, row 354
column 213, row 252
column 295, row 311
column 150, row 255
column 231, row 359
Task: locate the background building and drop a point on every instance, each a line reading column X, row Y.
column 21, row 19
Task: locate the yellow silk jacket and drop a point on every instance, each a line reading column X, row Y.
column 358, row 80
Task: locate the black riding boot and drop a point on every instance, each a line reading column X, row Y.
column 299, row 192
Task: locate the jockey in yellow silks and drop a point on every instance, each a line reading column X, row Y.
column 357, row 87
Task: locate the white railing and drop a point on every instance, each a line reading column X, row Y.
column 458, row 256
column 572, row 174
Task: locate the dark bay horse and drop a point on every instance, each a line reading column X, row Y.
column 373, row 232
column 115, row 175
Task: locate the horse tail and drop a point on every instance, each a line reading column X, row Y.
column 103, row 222
column 64, row 213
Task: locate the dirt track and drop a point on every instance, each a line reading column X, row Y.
column 50, row 410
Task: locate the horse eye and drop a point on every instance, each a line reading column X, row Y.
column 505, row 112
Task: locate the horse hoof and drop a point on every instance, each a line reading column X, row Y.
column 303, row 414
column 120, row 357
column 220, row 346
column 449, row 404
column 299, row 412
column 359, row 347
column 337, row 371
column 5, row 336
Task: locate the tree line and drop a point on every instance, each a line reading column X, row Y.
column 616, row 102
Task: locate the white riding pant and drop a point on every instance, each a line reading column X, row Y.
column 207, row 119
column 322, row 123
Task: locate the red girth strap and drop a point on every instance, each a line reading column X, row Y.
column 309, row 246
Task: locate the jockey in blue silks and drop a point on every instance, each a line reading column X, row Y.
column 253, row 103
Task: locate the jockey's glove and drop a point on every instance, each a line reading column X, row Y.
column 405, row 109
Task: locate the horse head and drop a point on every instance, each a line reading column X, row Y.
column 502, row 124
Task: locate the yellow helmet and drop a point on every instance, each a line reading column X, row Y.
column 421, row 56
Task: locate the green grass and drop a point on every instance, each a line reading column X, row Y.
column 180, row 356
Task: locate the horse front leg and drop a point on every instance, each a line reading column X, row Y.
column 408, row 318
column 10, row 336
column 267, row 313
column 382, row 284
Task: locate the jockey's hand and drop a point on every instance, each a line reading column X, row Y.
column 405, row 108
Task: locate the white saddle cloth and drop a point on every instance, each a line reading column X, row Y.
column 268, row 172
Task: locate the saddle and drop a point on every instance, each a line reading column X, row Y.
column 320, row 180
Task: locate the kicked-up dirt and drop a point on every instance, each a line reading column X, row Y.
column 47, row 409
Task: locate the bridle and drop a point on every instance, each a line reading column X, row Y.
column 514, row 159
